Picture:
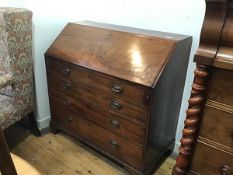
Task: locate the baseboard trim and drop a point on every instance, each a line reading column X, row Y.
column 175, row 152
column 44, row 123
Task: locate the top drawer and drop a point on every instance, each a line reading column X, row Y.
column 113, row 86
column 221, row 86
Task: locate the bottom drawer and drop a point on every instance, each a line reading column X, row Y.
column 208, row 160
column 102, row 138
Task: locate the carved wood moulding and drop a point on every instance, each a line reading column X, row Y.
column 191, row 122
column 215, row 49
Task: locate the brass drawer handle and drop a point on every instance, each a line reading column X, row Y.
column 67, row 102
column 225, row 170
column 114, row 144
column 232, row 134
column 65, row 71
column 69, row 119
column 116, row 88
column 115, row 104
column 115, row 123
column 66, row 86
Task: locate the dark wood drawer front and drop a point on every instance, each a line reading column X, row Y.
column 208, row 160
column 102, row 138
column 221, row 86
column 113, row 86
column 99, row 100
column 124, row 128
column 217, row 126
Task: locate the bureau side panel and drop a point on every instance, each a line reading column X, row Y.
column 165, row 104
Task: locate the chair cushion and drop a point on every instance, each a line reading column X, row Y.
column 6, row 80
column 8, row 112
column 16, row 50
column 16, row 59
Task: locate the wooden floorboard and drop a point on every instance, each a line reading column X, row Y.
column 63, row 155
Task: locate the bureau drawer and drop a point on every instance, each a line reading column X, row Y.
column 126, row 129
column 208, row 160
column 113, row 86
column 99, row 100
column 111, row 143
column 221, row 86
column 217, row 125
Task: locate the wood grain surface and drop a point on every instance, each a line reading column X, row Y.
column 132, row 57
column 211, row 32
column 221, row 132
column 207, row 159
column 121, row 126
column 131, row 92
column 109, row 72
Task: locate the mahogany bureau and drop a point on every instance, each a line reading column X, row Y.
column 207, row 142
column 118, row 90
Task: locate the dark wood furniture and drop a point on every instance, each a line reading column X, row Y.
column 6, row 164
column 118, row 89
column 11, row 164
column 207, row 142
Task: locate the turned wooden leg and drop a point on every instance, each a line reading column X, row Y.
column 193, row 115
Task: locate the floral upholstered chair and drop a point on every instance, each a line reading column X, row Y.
column 16, row 73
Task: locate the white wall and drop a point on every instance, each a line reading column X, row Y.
column 181, row 16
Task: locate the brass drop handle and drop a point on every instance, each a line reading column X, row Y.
column 116, row 88
column 114, row 144
column 115, row 123
column 225, row 170
column 69, row 119
column 65, row 71
column 67, row 102
column 66, row 86
column 115, row 104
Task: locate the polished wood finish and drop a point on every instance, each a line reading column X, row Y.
column 191, row 122
column 119, row 125
column 99, row 100
column 132, row 92
column 219, row 163
column 210, row 141
column 102, row 138
column 135, row 58
column 224, row 58
column 118, row 91
column 6, row 164
column 222, row 133
column 221, row 85
column 211, row 32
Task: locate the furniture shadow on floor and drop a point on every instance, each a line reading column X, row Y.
column 61, row 154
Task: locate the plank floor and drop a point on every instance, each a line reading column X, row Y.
column 63, row 155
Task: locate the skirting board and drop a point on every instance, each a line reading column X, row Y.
column 43, row 123
column 175, row 152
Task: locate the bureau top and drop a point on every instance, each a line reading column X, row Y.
column 132, row 54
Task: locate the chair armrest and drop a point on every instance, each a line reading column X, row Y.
column 6, row 80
